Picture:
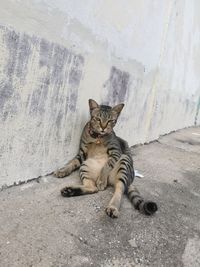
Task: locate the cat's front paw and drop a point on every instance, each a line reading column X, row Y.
column 112, row 212
column 101, row 183
column 102, row 180
column 61, row 173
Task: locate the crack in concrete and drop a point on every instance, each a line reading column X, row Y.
column 35, row 179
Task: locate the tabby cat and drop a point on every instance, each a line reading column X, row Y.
column 104, row 159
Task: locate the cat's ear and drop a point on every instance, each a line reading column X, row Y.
column 118, row 108
column 93, row 104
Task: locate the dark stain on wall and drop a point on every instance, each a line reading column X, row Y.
column 59, row 118
column 11, row 40
column 58, row 61
column 38, row 99
column 50, row 73
column 76, row 72
column 6, row 89
column 197, row 112
column 9, row 101
column 117, row 85
column 14, row 71
column 6, row 93
column 75, row 75
column 19, row 50
column 45, row 53
column 23, row 55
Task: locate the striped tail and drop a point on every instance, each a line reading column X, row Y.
column 146, row 207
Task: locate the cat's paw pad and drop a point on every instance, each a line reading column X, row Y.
column 70, row 191
column 112, row 212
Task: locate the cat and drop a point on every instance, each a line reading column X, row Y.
column 104, row 159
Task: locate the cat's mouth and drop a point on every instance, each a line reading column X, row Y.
column 103, row 133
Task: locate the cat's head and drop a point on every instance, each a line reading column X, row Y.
column 103, row 118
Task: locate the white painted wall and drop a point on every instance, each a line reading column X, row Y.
column 55, row 55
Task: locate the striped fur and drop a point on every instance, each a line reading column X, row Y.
column 104, row 159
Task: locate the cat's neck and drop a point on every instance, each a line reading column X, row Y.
column 95, row 135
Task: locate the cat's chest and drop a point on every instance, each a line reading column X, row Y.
column 97, row 150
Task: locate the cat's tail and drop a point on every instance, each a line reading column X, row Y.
column 146, row 207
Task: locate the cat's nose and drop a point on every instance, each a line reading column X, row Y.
column 102, row 130
column 103, row 127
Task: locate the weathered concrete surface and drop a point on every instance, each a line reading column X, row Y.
column 40, row 228
column 55, row 55
column 39, row 83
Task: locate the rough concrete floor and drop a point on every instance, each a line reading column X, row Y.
column 38, row 227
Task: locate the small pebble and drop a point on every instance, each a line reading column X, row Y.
column 132, row 243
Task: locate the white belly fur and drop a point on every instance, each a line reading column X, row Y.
column 97, row 158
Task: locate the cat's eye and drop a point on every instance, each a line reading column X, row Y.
column 112, row 121
column 95, row 119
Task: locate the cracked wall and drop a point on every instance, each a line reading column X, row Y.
column 55, row 55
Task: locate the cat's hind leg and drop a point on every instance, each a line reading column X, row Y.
column 88, row 187
column 120, row 177
column 112, row 209
column 89, row 172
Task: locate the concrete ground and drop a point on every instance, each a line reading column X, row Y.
column 38, row 227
